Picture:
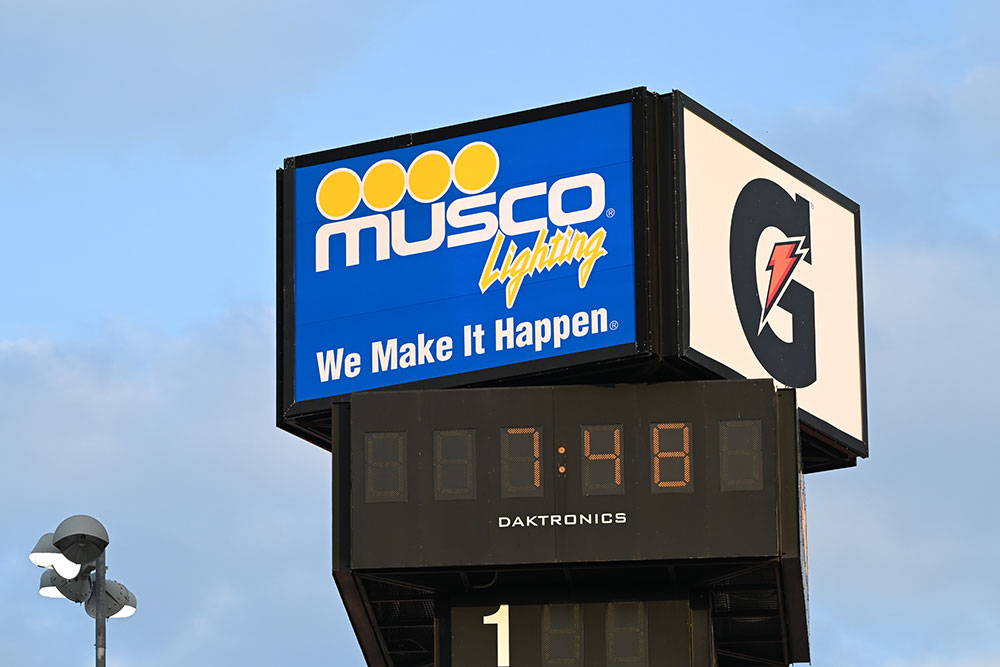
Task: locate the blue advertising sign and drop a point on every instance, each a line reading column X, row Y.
column 472, row 252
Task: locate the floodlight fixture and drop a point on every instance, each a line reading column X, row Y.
column 73, row 556
column 128, row 608
column 46, row 554
column 75, row 590
column 81, row 538
column 48, row 587
column 119, row 602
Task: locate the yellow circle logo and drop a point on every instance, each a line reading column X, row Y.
column 384, row 185
column 429, row 176
column 431, row 173
column 476, row 166
column 338, row 194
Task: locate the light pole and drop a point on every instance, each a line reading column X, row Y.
column 73, row 558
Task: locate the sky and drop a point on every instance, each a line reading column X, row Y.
column 138, row 143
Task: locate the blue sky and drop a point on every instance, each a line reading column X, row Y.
column 138, row 144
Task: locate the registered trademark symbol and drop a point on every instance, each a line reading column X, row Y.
column 613, row 325
column 610, row 213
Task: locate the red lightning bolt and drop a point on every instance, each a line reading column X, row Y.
column 784, row 257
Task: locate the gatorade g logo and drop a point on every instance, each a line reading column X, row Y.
column 473, row 217
column 769, row 240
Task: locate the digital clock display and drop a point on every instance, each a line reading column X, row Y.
column 565, row 474
column 601, row 461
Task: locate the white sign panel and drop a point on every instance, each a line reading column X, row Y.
column 773, row 275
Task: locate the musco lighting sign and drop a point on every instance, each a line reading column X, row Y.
column 453, row 256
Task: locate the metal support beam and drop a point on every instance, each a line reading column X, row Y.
column 101, row 640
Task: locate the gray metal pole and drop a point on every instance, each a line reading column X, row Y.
column 99, row 592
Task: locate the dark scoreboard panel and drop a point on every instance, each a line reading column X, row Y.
column 590, row 634
column 569, row 474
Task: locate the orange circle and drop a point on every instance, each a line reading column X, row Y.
column 384, row 185
column 429, row 176
column 476, row 166
column 338, row 194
